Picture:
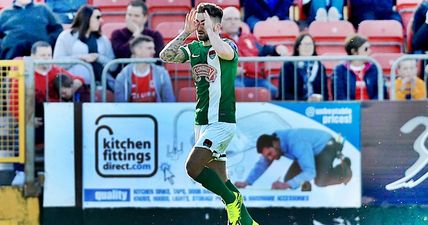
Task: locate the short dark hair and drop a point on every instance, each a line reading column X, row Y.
column 62, row 81
column 354, row 43
column 298, row 42
column 265, row 140
column 139, row 3
column 39, row 44
column 212, row 9
column 139, row 39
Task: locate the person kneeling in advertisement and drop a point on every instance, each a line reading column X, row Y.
column 313, row 152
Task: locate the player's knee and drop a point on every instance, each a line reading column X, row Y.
column 192, row 170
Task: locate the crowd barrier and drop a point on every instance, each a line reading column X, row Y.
column 181, row 76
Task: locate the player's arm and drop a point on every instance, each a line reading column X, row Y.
column 223, row 49
column 172, row 53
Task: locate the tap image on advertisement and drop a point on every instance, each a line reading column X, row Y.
column 126, row 154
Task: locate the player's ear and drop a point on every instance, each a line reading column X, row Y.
column 217, row 27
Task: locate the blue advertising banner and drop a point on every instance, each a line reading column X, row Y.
column 134, row 156
column 395, row 156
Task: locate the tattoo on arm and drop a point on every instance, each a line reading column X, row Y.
column 172, row 53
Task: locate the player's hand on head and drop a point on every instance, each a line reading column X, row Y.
column 190, row 22
column 208, row 24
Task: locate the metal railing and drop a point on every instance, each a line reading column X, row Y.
column 114, row 62
column 65, row 62
column 394, row 70
column 320, row 59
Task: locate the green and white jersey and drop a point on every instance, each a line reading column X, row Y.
column 215, row 83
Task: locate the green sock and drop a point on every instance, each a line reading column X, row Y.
column 211, row 181
column 245, row 216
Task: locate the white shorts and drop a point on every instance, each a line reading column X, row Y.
column 215, row 137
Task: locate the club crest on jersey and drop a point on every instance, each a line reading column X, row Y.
column 206, row 71
column 211, row 54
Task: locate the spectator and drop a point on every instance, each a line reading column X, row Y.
column 420, row 28
column 44, row 76
column 249, row 45
column 84, row 41
column 325, row 10
column 408, row 86
column 24, row 24
column 64, row 86
column 311, row 75
column 356, row 80
column 259, row 10
column 136, row 17
column 372, row 10
column 65, row 9
column 312, row 151
column 143, row 82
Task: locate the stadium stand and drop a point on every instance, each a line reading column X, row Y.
column 108, row 28
column 167, row 11
column 113, row 10
column 277, row 32
column 170, row 30
column 406, row 8
column 386, row 60
column 330, row 36
column 222, row 3
column 385, row 36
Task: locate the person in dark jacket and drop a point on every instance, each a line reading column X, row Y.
column 136, row 17
column 372, row 10
column 420, row 28
column 259, row 10
column 311, row 75
column 356, row 80
column 23, row 25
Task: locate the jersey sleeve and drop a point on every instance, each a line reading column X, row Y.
column 233, row 46
column 186, row 51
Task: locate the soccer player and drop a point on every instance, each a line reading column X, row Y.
column 214, row 64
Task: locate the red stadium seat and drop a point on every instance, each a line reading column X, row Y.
column 170, row 30
column 222, row 3
column 245, row 28
column 277, row 32
column 113, row 10
column 330, row 36
column 178, row 69
column 167, row 11
column 385, row 36
column 252, row 94
column 386, row 60
column 187, row 94
column 108, row 28
column 406, row 8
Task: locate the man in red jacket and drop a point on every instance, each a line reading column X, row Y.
column 248, row 45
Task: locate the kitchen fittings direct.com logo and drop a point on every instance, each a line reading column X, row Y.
column 126, row 146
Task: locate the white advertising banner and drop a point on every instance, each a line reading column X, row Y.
column 134, row 155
